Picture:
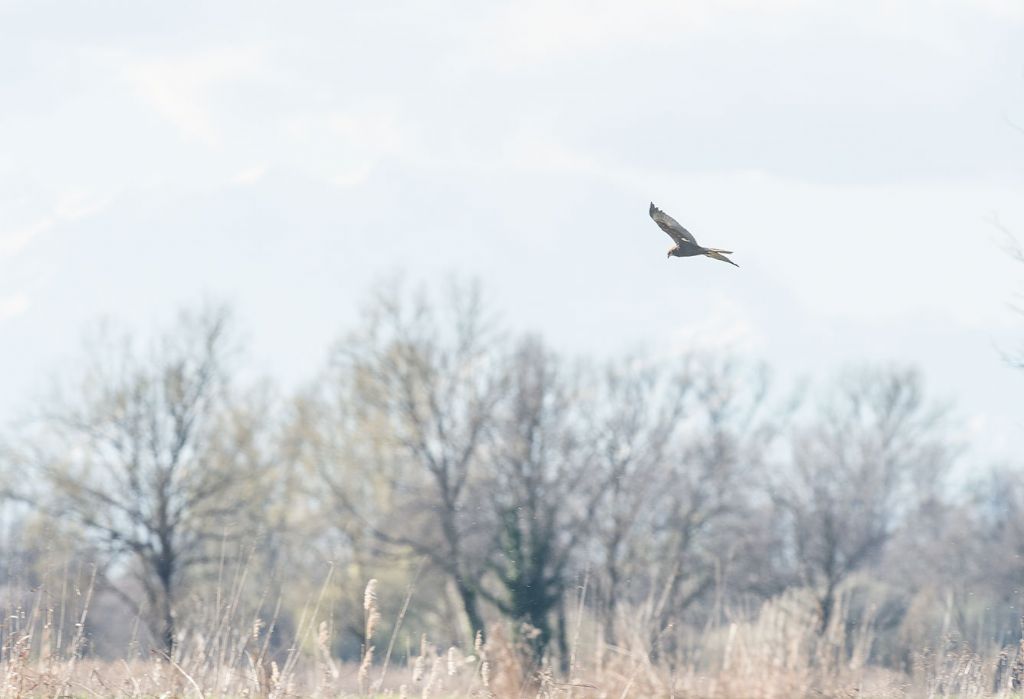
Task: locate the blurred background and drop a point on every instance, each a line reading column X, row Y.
column 296, row 296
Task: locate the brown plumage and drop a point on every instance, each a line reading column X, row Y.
column 686, row 244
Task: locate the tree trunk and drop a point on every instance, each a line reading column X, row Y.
column 563, row 639
column 826, row 606
column 469, row 602
column 168, row 632
column 165, row 570
column 611, row 605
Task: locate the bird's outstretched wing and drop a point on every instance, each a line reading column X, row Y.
column 671, row 226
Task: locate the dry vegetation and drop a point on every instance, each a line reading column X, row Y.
column 778, row 652
column 530, row 524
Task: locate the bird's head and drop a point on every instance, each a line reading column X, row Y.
column 670, row 251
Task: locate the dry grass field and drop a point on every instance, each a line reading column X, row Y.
column 776, row 654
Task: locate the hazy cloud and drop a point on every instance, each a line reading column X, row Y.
column 848, row 153
column 13, row 305
column 186, row 89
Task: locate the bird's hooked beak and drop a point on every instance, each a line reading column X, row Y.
column 669, row 255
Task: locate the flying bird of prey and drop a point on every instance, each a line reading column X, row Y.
column 686, row 244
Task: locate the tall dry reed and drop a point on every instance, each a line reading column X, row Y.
column 776, row 652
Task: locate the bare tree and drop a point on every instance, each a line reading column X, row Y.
column 1013, row 248
column 702, row 516
column 543, row 491
column 411, row 395
column 986, row 546
column 872, row 451
column 151, row 455
column 636, row 410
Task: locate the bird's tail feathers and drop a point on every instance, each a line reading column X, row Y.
column 720, row 255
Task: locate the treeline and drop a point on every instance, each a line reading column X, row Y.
column 488, row 480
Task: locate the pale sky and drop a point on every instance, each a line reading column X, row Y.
column 284, row 156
